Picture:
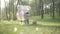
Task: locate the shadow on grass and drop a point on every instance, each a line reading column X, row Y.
column 50, row 20
column 39, row 25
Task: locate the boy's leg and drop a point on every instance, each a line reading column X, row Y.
column 27, row 21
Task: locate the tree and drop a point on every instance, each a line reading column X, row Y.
column 58, row 6
column 6, row 10
column 0, row 9
column 42, row 11
column 11, row 10
column 53, row 15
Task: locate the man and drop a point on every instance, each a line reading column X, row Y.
column 20, row 16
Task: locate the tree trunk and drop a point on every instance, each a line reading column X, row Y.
column 13, row 11
column 6, row 11
column 59, row 7
column 42, row 11
column 9, row 11
column 53, row 15
column 0, row 10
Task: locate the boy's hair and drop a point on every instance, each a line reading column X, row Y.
column 27, row 12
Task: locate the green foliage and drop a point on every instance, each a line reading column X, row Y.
column 36, row 7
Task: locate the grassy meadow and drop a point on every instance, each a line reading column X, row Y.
column 43, row 26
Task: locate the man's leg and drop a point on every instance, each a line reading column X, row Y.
column 25, row 22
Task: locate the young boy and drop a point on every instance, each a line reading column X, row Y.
column 27, row 15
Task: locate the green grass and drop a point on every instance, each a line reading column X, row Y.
column 41, row 22
column 47, row 20
column 45, row 26
column 7, row 27
column 28, row 29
